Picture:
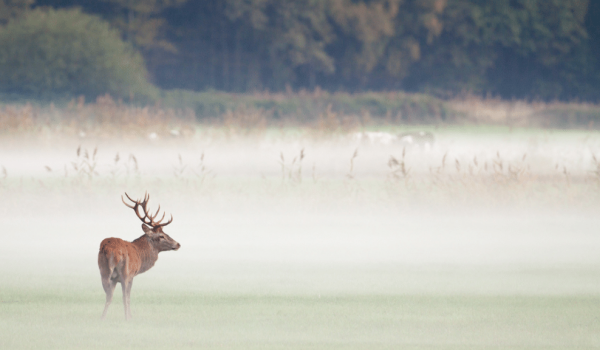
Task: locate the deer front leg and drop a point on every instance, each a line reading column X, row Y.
column 109, row 288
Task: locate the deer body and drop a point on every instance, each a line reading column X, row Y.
column 120, row 261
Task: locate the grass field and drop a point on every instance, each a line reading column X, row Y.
column 60, row 319
column 297, row 237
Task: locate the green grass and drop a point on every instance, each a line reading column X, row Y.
column 63, row 319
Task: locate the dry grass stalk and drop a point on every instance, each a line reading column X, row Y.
column 123, row 167
column 350, row 174
column 200, row 172
column 328, row 121
column 85, row 164
column 292, row 172
column 103, row 118
column 179, row 168
column 203, row 172
column 17, row 119
column 504, row 180
column 245, row 122
column 398, row 168
column 524, row 113
column 596, row 171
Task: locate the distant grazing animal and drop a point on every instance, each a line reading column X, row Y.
column 423, row 139
column 375, row 137
column 120, row 261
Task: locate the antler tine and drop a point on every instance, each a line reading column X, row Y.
column 144, row 202
column 156, row 214
column 148, row 218
column 161, row 219
column 166, row 223
column 139, row 203
column 123, row 199
column 130, row 198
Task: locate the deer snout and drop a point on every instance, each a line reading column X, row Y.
column 177, row 246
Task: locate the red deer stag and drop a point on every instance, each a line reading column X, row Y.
column 120, row 261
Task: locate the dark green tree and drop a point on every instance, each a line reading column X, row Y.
column 11, row 9
column 50, row 53
column 513, row 48
column 363, row 33
column 297, row 38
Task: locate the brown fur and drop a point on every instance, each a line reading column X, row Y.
column 120, row 261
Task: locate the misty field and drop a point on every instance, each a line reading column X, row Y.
column 329, row 235
column 188, row 319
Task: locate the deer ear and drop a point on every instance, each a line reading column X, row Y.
column 147, row 229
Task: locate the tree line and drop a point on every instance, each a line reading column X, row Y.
column 538, row 49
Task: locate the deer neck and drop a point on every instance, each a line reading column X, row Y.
column 147, row 252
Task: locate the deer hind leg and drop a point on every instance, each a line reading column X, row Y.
column 108, row 283
column 109, row 288
column 126, row 287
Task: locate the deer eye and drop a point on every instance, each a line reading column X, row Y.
column 161, row 237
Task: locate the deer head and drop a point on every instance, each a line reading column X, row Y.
column 153, row 229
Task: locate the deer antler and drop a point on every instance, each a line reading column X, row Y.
column 150, row 217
